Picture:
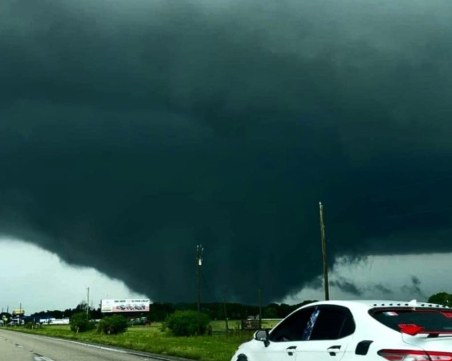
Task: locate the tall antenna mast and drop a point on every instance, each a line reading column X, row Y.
column 199, row 251
column 324, row 255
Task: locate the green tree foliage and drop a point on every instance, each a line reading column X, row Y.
column 79, row 322
column 5, row 317
column 67, row 313
column 234, row 311
column 270, row 312
column 160, row 311
column 441, row 298
column 112, row 325
column 187, row 323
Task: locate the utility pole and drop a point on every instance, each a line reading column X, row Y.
column 199, row 251
column 324, row 255
column 87, row 303
column 225, row 316
column 260, row 307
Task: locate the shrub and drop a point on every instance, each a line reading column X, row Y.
column 187, row 323
column 112, row 325
column 79, row 322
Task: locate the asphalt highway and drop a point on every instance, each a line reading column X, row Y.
column 17, row 346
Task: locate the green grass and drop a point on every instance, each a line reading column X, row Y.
column 218, row 347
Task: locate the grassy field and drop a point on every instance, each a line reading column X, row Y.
column 218, row 347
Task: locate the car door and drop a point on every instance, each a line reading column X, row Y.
column 328, row 335
column 285, row 338
column 275, row 351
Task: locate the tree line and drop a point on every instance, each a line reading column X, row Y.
column 159, row 311
column 220, row 311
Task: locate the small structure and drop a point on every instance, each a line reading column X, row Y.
column 251, row 323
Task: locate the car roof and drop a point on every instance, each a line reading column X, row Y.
column 369, row 304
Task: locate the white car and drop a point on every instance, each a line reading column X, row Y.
column 356, row 330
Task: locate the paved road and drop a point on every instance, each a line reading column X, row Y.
column 17, row 346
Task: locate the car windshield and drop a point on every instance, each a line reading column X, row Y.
column 415, row 321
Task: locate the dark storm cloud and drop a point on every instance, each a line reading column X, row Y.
column 382, row 290
column 346, row 286
column 131, row 131
column 414, row 287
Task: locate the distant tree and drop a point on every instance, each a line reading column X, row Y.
column 82, row 306
column 95, row 313
column 441, row 298
column 57, row 314
column 68, row 312
column 270, row 312
column 5, row 317
column 160, row 311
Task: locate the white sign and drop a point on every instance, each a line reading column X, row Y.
column 125, row 305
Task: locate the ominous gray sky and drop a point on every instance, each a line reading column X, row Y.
column 131, row 131
column 36, row 280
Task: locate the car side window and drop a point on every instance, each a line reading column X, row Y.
column 293, row 327
column 333, row 322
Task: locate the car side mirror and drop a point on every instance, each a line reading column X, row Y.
column 262, row 335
